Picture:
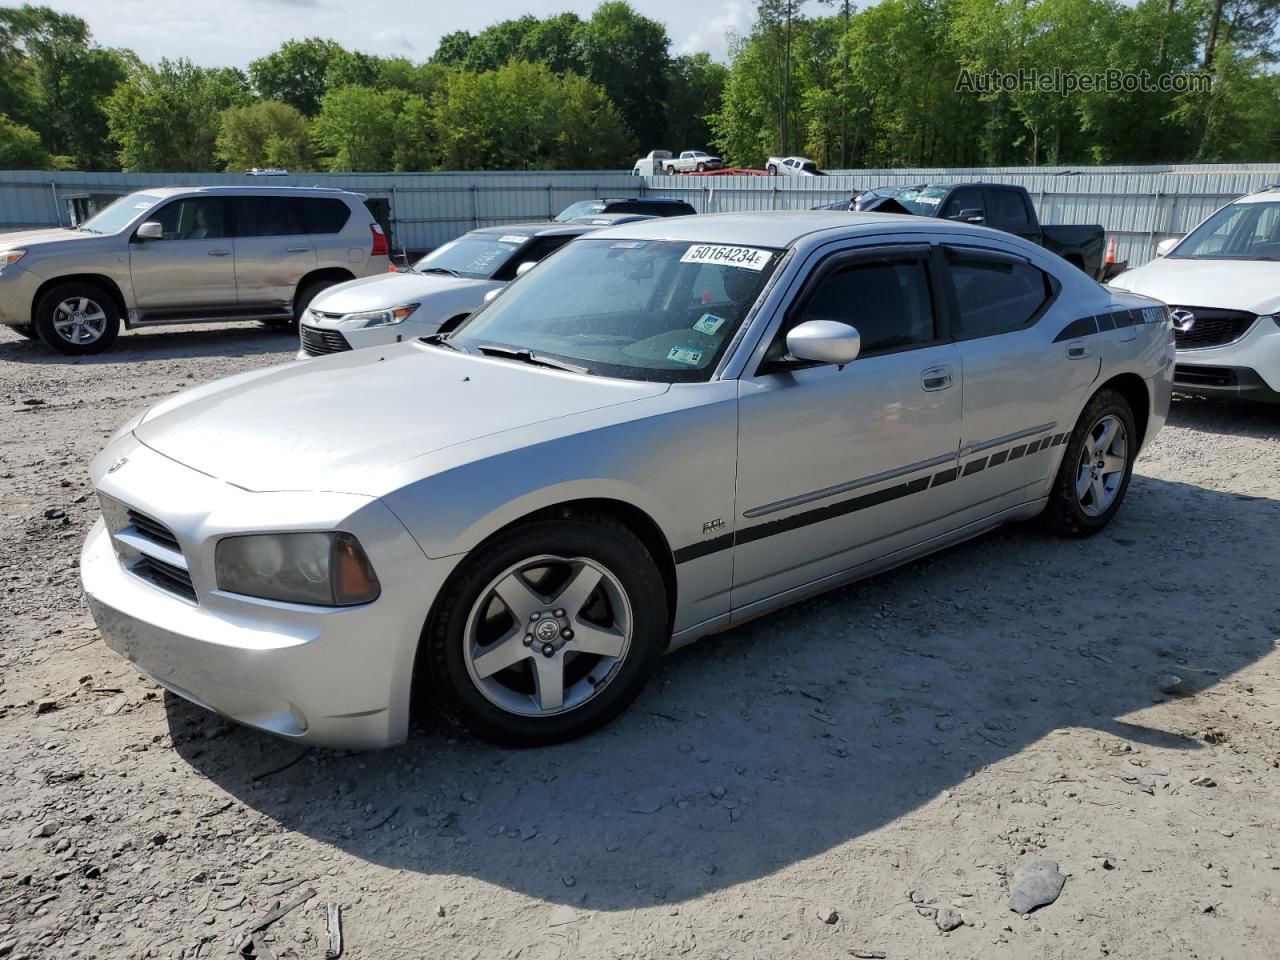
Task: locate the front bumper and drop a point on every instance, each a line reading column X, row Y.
column 1247, row 369
column 335, row 677
column 17, row 293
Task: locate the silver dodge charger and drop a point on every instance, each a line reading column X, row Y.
column 661, row 431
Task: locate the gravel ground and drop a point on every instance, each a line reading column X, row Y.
column 849, row 777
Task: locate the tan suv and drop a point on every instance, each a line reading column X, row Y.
column 185, row 255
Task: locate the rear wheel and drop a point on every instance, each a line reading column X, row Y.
column 1096, row 468
column 77, row 319
column 773, row 170
column 546, row 633
column 702, row 168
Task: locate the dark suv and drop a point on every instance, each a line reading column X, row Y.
column 649, row 206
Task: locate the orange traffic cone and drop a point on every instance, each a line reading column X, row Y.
column 1111, row 250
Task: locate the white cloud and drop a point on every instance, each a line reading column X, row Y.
column 713, row 36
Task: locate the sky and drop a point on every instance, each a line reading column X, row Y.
column 233, row 32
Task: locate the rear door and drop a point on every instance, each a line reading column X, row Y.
column 193, row 268
column 1021, row 385
column 273, row 250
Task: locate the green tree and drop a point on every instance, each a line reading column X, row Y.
column 524, row 117
column 453, row 49
column 495, row 45
column 356, row 128
column 628, row 56
column 264, row 134
column 697, row 87
column 166, row 117
column 297, row 73
column 554, row 42
column 20, row 147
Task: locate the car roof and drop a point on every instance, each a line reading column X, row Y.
column 541, row 229
column 1266, row 195
column 778, row 229
column 607, row 219
column 265, row 190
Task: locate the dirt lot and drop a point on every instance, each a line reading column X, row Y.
column 883, row 757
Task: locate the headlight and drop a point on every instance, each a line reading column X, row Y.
column 325, row 569
column 9, row 257
column 379, row 318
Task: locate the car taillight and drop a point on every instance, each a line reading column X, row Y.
column 380, row 248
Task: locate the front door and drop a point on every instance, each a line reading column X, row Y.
column 273, row 250
column 835, row 463
column 191, row 270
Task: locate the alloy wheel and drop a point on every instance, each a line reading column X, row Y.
column 547, row 635
column 1104, row 457
column 79, row 320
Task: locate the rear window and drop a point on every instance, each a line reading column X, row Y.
column 268, row 217
column 583, row 208
column 324, row 215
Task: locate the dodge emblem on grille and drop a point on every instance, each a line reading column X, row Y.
column 117, row 465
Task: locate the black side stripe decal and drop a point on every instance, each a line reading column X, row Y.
column 1087, row 326
column 760, row 531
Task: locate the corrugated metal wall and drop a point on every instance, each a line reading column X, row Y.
column 1140, row 206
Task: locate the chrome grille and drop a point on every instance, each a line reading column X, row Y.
column 148, row 549
column 1212, row 327
column 317, row 342
column 166, row 576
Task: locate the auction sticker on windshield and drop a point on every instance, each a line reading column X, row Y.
column 748, row 258
column 512, row 239
column 690, row 356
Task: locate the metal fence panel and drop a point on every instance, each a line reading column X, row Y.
column 1138, row 205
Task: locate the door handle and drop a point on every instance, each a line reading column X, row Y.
column 219, row 253
column 936, row 378
column 1077, row 350
column 298, row 250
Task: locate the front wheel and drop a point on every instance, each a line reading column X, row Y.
column 702, row 168
column 1096, row 468
column 77, row 319
column 547, row 633
column 773, row 171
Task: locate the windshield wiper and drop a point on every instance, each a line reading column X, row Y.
column 452, row 273
column 524, row 355
column 442, row 340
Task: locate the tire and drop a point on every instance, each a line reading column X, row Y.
column 27, row 330
column 77, row 319
column 1072, row 512
column 702, row 168
column 773, row 171
column 624, row 612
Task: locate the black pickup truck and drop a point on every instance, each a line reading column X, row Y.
column 999, row 205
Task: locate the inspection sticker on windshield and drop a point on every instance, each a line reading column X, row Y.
column 748, row 258
column 690, row 356
column 709, row 323
column 512, row 239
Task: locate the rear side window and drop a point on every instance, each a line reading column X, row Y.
column 888, row 301
column 994, row 296
column 196, row 218
column 1008, row 209
column 268, row 217
column 324, row 215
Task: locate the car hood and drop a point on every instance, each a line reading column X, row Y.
column 1250, row 285
column 31, row 238
column 385, row 290
column 333, row 423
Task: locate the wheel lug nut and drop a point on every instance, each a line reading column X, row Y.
column 533, row 616
column 567, row 634
column 559, row 613
column 528, row 639
column 548, row 650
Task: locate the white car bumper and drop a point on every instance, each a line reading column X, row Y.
column 1247, row 368
column 333, row 676
column 317, row 340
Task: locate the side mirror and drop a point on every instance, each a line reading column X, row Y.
column 151, row 230
column 492, row 293
column 975, row 215
column 824, row 341
column 525, row 267
column 1165, row 247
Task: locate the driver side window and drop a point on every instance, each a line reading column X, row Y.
column 196, row 218
column 887, row 300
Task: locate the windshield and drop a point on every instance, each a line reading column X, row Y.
column 640, row 309
column 1239, row 231
column 583, row 208
column 921, row 202
column 120, row 214
column 475, row 256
